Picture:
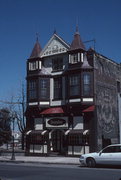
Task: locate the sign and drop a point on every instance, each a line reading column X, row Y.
column 56, row 122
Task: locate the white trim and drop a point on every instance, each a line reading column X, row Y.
column 75, row 100
column 82, row 57
column 86, row 131
column 87, row 99
column 55, row 36
column 40, row 64
column 78, row 57
column 67, row 132
column 44, row 103
column 28, row 132
column 43, row 132
column 33, row 103
column 69, row 58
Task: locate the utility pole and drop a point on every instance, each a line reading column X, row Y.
column 13, row 150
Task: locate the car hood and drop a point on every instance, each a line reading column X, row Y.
column 90, row 154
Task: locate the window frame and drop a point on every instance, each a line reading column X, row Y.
column 74, row 85
column 57, row 89
column 57, row 64
column 44, row 88
column 32, row 89
column 87, row 84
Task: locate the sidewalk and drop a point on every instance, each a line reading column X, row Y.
column 41, row 160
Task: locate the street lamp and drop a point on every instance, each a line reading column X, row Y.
column 13, row 152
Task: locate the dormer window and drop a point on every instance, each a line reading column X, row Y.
column 75, row 58
column 34, row 65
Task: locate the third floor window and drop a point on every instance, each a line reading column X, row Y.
column 74, row 85
column 57, row 64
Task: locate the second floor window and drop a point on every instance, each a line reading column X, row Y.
column 86, row 84
column 57, row 88
column 44, row 88
column 57, row 64
column 74, row 82
column 32, row 88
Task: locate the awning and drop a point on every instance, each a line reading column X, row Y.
column 28, row 132
column 55, row 110
column 74, row 131
column 86, row 132
column 67, row 132
column 36, row 132
column 89, row 109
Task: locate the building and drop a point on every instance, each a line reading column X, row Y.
column 73, row 97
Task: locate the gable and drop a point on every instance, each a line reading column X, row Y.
column 55, row 46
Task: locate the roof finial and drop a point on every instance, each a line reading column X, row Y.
column 37, row 35
column 77, row 25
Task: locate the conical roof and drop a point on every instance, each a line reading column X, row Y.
column 77, row 42
column 36, row 50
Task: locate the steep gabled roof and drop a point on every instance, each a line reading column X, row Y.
column 36, row 50
column 77, row 42
column 56, row 45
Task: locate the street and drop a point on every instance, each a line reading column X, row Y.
column 12, row 171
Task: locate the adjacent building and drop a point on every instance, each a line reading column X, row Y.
column 73, row 99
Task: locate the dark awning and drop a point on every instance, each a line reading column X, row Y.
column 74, row 131
column 55, row 110
column 36, row 132
column 89, row 109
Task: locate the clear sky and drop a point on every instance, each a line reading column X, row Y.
column 20, row 20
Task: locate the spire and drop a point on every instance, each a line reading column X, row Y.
column 37, row 49
column 77, row 42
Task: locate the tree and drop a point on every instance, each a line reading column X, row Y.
column 5, row 129
column 20, row 115
column 17, row 107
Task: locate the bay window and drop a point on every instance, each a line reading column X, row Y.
column 74, row 85
column 87, row 84
column 58, row 88
column 32, row 88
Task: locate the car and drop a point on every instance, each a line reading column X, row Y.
column 110, row 155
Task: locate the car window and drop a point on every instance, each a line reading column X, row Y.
column 112, row 149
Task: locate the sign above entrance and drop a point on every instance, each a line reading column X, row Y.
column 56, row 122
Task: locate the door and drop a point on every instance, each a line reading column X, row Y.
column 57, row 138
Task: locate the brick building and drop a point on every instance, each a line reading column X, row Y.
column 73, row 97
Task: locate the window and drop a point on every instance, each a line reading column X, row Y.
column 74, row 83
column 32, row 89
column 112, row 149
column 86, row 84
column 75, row 58
column 38, row 138
column 75, row 139
column 44, row 88
column 57, row 88
column 34, row 65
column 57, row 64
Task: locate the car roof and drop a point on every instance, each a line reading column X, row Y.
column 114, row 145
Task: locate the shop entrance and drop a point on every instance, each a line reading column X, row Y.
column 57, row 141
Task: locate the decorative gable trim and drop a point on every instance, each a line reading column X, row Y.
column 55, row 45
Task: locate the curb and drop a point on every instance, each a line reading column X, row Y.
column 36, row 162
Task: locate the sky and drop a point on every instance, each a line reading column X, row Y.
column 20, row 20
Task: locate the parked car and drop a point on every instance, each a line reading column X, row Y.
column 110, row 155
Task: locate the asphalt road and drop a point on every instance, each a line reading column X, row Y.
column 9, row 171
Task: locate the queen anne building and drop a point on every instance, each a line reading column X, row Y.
column 73, row 97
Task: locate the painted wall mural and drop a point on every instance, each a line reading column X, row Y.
column 106, row 109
